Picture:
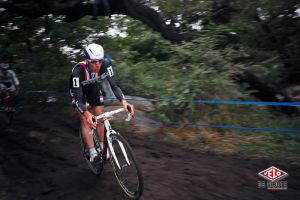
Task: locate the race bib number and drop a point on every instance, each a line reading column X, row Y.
column 93, row 75
column 75, row 82
column 110, row 71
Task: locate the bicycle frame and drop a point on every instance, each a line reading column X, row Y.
column 122, row 157
column 105, row 117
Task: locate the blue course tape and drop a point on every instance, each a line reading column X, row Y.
column 170, row 100
column 250, row 103
column 210, row 102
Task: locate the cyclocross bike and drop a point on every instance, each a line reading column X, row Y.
column 121, row 156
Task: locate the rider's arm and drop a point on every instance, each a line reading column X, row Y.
column 15, row 79
column 76, row 89
column 115, row 88
column 15, row 83
column 117, row 91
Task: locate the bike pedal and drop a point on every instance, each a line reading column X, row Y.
column 98, row 160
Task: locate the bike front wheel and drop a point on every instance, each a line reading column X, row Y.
column 125, row 167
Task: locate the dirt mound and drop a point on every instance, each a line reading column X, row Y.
column 40, row 159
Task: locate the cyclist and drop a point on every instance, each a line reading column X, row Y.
column 85, row 88
column 9, row 86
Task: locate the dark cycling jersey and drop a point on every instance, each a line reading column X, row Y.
column 85, row 85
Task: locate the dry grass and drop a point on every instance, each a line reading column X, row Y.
column 216, row 141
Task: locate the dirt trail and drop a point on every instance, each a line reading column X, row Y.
column 40, row 159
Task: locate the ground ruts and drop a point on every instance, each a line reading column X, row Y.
column 40, row 159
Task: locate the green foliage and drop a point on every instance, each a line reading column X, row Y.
column 193, row 70
column 147, row 65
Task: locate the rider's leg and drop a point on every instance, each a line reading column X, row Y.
column 85, row 130
column 6, row 100
column 87, row 137
column 10, row 100
column 98, row 110
column 95, row 99
column 93, row 96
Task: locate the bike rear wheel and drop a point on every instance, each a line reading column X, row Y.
column 96, row 168
column 125, row 167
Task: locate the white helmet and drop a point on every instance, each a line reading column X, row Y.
column 93, row 52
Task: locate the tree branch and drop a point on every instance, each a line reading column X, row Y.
column 76, row 9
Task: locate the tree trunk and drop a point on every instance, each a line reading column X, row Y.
column 266, row 92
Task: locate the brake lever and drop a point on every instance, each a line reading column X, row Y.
column 129, row 116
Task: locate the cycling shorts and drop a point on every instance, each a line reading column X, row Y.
column 92, row 94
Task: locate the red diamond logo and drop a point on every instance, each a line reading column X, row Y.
column 273, row 174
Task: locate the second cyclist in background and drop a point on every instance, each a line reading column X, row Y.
column 9, row 87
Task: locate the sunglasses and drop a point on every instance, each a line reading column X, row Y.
column 96, row 61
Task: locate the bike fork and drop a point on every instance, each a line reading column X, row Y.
column 109, row 134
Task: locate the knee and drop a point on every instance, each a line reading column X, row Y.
column 85, row 126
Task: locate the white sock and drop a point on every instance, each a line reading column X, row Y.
column 92, row 151
column 101, row 145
